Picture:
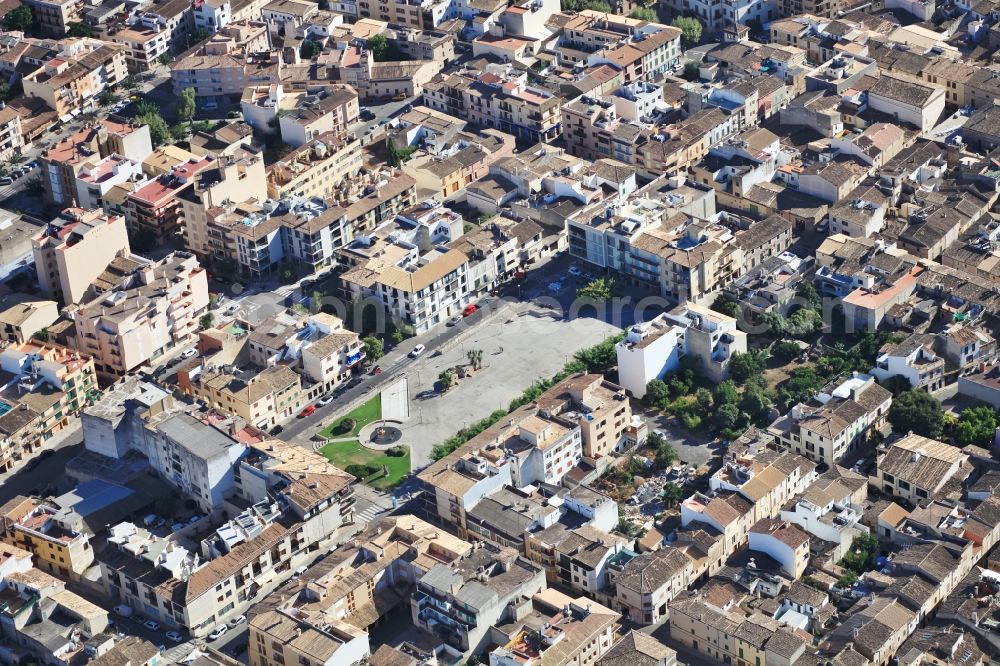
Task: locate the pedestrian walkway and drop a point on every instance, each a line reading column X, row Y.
column 369, row 514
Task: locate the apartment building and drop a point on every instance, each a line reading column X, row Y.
column 55, row 16
column 97, row 179
column 22, row 315
column 916, row 468
column 45, row 387
column 914, row 359
column 134, row 325
column 74, row 249
column 81, row 71
column 261, row 398
column 498, row 96
column 409, row 13
column 331, row 359
column 449, row 168
column 226, row 181
column 220, row 70
column 194, row 457
column 39, row 529
column 577, row 558
column 362, row 581
column 61, row 163
column 593, row 129
column 598, row 407
column 444, row 596
column 301, row 115
column 160, row 29
column 838, row 419
column 421, row 288
column 280, row 637
column 316, row 168
column 576, row 631
column 783, row 542
column 41, row 618
column 650, row 581
column 154, row 211
column 12, row 139
column 164, row 581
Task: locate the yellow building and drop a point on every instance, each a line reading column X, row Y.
column 59, row 550
column 261, row 399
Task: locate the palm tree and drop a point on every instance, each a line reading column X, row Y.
column 475, row 357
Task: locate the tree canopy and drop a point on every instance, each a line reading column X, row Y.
column 919, row 411
column 19, row 18
column 976, row 425
column 690, row 29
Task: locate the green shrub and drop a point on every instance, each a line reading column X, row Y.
column 396, row 452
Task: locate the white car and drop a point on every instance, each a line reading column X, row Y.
column 417, row 351
column 325, row 400
column 174, row 636
column 217, row 632
column 573, row 270
column 555, row 287
column 237, row 621
column 152, row 625
column 188, row 353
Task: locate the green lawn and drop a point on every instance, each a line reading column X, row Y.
column 363, row 415
column 351, row 452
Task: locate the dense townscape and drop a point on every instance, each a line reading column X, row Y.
column 499, row 332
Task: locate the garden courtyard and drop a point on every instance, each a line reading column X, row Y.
column 379, row 469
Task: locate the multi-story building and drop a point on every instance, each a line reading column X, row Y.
column 838, row 420
column 74, row 249
column 21, row 316
column 280, row 637
column 212, row 15
column 154, row 211
column 12, row 140
column 61, row 163
column 916, row 468
column 421, row 288
column 576, row 631
column 220, row 70
column 598, row 407
column 38, row 528
column 160, row 30
column 262, row 399
column 498, row 96
column 73, row 79
column 132, row 326
column 316, row 168
column 443, row 603
column 301, row 115
column 650, row 581
column 297, row 504
column 194, row 457
column 96, row 179
column 913, row 358
column 55, row 16
column 227, row 180
column 783, row 542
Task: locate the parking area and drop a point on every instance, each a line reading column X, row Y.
column 523, row 344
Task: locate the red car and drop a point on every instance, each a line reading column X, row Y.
column 469, row 309
column 375, row 371
column 308, row 411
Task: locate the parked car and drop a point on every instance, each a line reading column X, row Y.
column 174, row 636
column 6, row 180
column 238, row 620
column 417, row 351
column 469, row 309
column 376, row 371
column 308, row 411
column 354, row 381
column 454, row 320
column 188, row 353
column 218, row 632
column 574, row 270
column 123, row 610
column 277, row 430
column 325, row 400
column 152, row 625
